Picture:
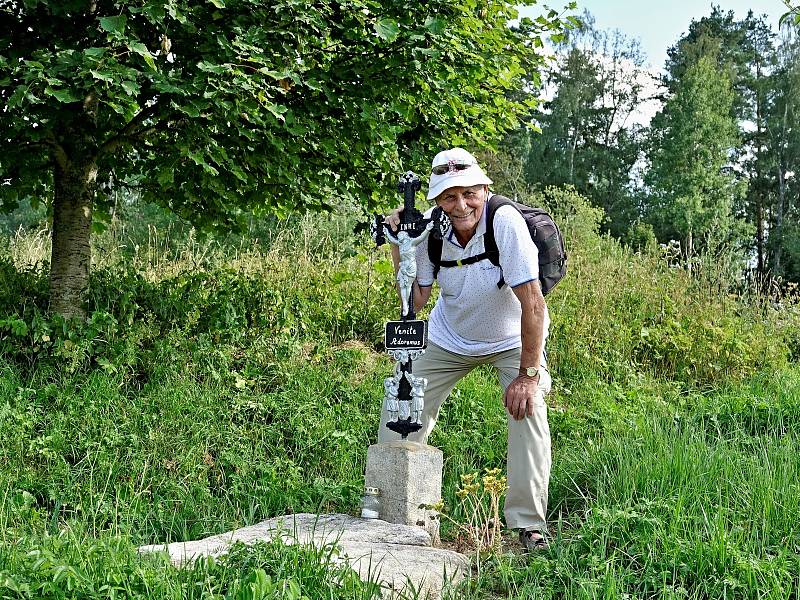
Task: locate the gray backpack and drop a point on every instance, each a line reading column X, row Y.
column 544, row 233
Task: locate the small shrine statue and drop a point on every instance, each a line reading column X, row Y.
column 407, row 271
column 405, row 340
column 391, row 387
column 418, row 385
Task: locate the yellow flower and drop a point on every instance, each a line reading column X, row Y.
column 468, row 478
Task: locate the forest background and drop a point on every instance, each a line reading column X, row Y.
column 226, row 363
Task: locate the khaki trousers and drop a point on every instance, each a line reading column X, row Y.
column 529, row 459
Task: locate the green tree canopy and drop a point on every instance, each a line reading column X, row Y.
column 792, row 15
column 783, row 156
column 692, row 190
column 587, row 138
column 217, row 108
column 718, row 34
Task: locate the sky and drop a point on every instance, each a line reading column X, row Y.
column 660, row 23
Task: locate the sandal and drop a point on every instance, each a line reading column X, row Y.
column 532, row 540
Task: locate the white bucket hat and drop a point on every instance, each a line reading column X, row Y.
column 454, row 167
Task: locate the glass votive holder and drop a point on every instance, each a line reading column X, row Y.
column 371, row 503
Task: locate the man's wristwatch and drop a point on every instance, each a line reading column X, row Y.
column 530, row 372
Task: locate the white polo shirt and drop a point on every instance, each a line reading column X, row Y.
column 472, row 316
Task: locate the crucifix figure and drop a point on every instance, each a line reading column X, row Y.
column 407, row 271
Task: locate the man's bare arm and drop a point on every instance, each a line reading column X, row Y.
column 533, row 308
column 519, row 396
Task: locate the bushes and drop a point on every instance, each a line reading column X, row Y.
column 199, row 318
column 616, row 314
column 619, row 313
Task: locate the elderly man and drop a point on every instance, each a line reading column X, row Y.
column 474, row 322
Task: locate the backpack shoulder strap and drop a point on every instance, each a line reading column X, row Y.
column 489, row 242
column 435, row 253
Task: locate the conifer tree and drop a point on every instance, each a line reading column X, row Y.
column 691, row 188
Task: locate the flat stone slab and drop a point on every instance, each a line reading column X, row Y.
column 392, row 555
column 395, row 566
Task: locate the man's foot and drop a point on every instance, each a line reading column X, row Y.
column 532, row 540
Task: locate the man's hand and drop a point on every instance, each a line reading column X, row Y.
column 519, row 396
column 393, row 218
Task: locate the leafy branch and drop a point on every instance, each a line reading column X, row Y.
column 792, row 15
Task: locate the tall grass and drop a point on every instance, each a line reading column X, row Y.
column 668, row 510
column 68, row 565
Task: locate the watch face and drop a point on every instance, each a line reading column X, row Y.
column 532, row 371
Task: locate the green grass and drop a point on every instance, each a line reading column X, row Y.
column 697, row 498
column 669, row 512
column 178, row 459
column 695, row 492
column 67, row 565
column 216, row 386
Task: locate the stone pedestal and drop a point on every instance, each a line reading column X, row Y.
column 407, row 474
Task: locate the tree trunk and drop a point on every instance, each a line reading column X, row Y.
column 781, row 196
column 760, row 234
column 759, row 176
column 779, row 217
column 72, row 222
